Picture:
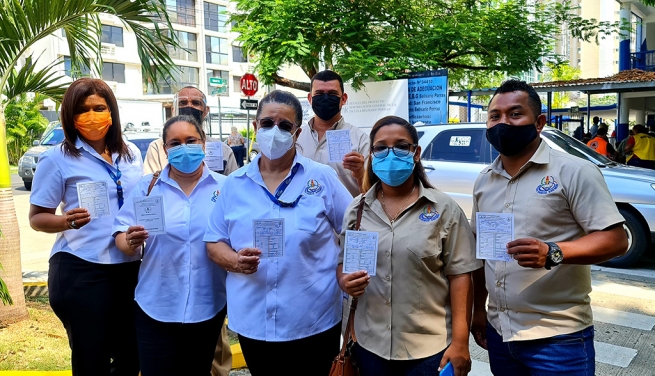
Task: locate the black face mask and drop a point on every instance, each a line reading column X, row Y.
column 196, row 113
column 510, row 140
column 326, row 106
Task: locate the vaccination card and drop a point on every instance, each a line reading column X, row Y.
column 94, row 197
column 493, row 232
column 338, row 143
column 360, row 251
column 149, row 212
column 269, row 236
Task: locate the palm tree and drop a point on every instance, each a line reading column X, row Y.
column 22, row 24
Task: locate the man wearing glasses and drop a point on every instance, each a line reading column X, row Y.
column 188, row 101
column 327, row 98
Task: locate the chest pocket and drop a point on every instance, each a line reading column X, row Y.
column 309, row 213
column 552, row 212
column 424, row 245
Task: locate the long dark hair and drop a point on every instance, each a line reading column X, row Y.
column 419, row 173
column 75, row 96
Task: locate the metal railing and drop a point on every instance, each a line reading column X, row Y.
column 644, row 60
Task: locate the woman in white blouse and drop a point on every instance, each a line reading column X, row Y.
column 278, row 242
column 180, row 295
column 90, row 282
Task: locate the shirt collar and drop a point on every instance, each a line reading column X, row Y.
column 252, row 170
column 540, row 156
column 163, row 175
column 371, row 195
column 338, row 125
column 83, row 145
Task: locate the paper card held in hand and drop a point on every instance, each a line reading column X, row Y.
column 360, row 251
column 214, row 156
column 94, row 197
column 149, row 213
column 338, row 143
column 269, row 236
column 493, row 232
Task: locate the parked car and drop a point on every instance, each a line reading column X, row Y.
column 53, row 135
column 142, row 140
column 454, row 155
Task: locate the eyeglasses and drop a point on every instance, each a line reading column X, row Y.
column 283, row 125
column 402, row 149
column 188, row 141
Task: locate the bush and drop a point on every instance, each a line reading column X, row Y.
column 24, row 124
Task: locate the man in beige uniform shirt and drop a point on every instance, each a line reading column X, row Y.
column 327, row 98
column 539, row 315
column 190, row 101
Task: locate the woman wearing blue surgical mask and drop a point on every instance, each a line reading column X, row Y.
column 414, row 314
column 180, row 295
column 274, row 230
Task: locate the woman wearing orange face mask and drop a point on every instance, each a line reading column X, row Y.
column 91, row 283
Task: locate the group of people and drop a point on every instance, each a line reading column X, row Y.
column 132, row 300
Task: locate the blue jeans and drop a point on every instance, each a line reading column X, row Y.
column 372, row 365
column 567, row 354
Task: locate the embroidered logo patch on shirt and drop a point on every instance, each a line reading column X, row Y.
column 313, row 187
column 215, row 195
column 429, row 214
column 548, row 185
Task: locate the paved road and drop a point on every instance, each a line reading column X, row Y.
column 17, row 186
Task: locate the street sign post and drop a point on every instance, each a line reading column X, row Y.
column 249, row 84
column 217, row 81
column 249, row 104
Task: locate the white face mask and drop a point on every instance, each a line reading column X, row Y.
column 273, row 142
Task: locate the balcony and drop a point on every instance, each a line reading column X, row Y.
column 644, row 60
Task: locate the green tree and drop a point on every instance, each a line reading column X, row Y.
column 22, row 24
column 381, row 39
column 25, row 123
column 561, row 72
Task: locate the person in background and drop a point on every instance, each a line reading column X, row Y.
column 236, row 142
column 414, row 314
column 621, row 155
column 578, row 133
column 327, row 98
column 601, row 144
column 285, row 300
column 180, row 296
column 642, row 147
column 594, row 127
column 90, row 281
column 189, row 101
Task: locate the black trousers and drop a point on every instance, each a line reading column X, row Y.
column 95, row 302
column 176, row 349
column 311, row 356
column 239, row 154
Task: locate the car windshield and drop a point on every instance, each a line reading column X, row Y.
column 575, row 147
column 53, row 138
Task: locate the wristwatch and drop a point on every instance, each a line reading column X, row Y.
column 555, row 255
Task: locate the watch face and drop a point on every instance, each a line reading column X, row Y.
column 557, row 256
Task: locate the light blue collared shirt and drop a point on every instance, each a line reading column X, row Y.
column 296, row 295
column 177, row 280
column 55, row 183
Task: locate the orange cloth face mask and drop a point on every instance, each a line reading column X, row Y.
column 92, row 125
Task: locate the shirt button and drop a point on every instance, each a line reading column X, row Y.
column 502, row 310
column 388, row 278
column 507, row 205
column 388, row 303
column 388, row 327
column 498, row 284
column 388, row 253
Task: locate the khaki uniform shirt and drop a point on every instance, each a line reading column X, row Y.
column 405, row 311
column 156, row 158
column 555, row 197
column 316, row 150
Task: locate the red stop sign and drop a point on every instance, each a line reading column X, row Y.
column 249, row 84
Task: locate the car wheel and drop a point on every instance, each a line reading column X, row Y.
column 28, row 185
column 638, row 241
column 253, row 154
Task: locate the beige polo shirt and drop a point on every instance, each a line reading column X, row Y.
column 405, row 311
column 316, row 150
column 156, row 158
column 554, row 197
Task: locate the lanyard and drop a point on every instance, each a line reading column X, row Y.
column 117, row 179
column 280, row 190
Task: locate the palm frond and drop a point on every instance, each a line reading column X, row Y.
column 30, row 80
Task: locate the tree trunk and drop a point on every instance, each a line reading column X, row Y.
column 11, row 274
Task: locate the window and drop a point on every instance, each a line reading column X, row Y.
column 238, row 56
column 218, row 73
column 182, row 12
column 185, row 76
column 113, row 72
column 216, row 50
column 236, row 84
column 112, row 34
column 461, row 145
column 188, row 41
column 215, row 17
column 85, row 71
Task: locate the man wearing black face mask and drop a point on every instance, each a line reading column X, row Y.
column 327, row 98
column 188, row 101
column 539, row 318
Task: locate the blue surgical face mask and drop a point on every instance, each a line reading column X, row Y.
column 392, row 169
column 186, row 158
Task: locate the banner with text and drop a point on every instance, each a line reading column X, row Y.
column 428, row 97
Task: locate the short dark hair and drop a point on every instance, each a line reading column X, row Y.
column 602, row 131
column 182, row 118
column 325, row 76
column 511, row 86
column 596, row 119
column 419, row 172
column 75, row 96
column 285, row 98
column 639, row 128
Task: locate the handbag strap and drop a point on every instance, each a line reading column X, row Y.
column 155, row 176
column 360, row 210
